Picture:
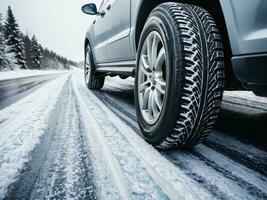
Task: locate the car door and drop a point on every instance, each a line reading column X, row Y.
column 100, row 28
column 118, row 14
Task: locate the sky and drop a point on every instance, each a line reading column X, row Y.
column 58, row 25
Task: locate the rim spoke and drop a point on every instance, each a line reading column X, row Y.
column 160, row 59
column 145, row 98
column 161, row 82
column 143, row 86
column 158, row 100
column 154, row 104
column 154, row 49
column 160, row 89
column 149, row 50
column 145, row 66
column 149, row 106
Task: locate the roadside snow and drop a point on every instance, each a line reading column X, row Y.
column 247, row 98
column 17, row 136
column 27, row 73
column 124, row 166
column 173, row 181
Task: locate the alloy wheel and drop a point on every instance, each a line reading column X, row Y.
column 87, row 67
column 152, row 77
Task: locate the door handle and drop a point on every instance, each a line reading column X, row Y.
column 108, row 7
column 94, row 21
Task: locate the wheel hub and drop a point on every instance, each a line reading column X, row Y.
column 153, row 78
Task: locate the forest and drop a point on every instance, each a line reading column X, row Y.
column 22, row 51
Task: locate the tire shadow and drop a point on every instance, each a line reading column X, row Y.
column 246, row 124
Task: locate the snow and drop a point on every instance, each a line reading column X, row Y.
column 235, row 169
column 17, row 136
column 247, row 98
column 27, row 73
column 124, row 165
column 174, row 182
column 241, row 175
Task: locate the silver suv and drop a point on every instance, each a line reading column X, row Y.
column 182, row 55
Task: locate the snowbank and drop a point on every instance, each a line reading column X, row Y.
column 22, row 124
column 27, row 73
column 247, row 98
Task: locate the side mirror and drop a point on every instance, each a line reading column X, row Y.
column 90, row 9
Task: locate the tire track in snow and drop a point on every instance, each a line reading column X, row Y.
column 245, row 154
column 172, row 181
column 18, row 137
column 255, row 185
column 211, row 179
column 60, row 166
column 231, row 147
column 137, row 183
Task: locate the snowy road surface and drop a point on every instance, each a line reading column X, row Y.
column 13, row 89
column 62, row 141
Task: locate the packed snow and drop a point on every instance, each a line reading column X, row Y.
column 5, row 75
column 64, row 141
column 246, row 98
column 22, row 124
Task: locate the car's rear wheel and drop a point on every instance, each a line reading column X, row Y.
column 92, row 80
column 180, row 76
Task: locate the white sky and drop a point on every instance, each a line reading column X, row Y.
column 59, row 25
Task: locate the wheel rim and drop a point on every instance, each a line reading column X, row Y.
column 152, row 77
column 87, row 67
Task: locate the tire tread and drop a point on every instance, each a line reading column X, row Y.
column 197, row 113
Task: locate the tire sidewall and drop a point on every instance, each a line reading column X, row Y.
column 90, row 82
column 157, row 132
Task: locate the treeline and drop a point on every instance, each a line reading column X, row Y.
column 20, row 51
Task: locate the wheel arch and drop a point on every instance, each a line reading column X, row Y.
column 86, row 43
column 215, row 9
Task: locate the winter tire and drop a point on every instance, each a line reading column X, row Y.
column 179, row 77
column 92, row 80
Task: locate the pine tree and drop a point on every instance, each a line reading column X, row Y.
column 27, row 47
column 6, row 59
column 2, row 46
column 14, row 39
column 36, row 55
column 1, row 23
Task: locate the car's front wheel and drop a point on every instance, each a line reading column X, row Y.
column 180, row 76
column 92, row 80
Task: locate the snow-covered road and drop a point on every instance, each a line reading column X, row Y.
column 63, row 141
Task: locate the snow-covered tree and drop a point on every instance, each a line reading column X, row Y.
column 6, row 59
column 3, row 57
column 1, row 23
column 27, row 47
column 14, row 39
column 36, row 55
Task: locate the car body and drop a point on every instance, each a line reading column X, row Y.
column 114, row 37
column 183, row 54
